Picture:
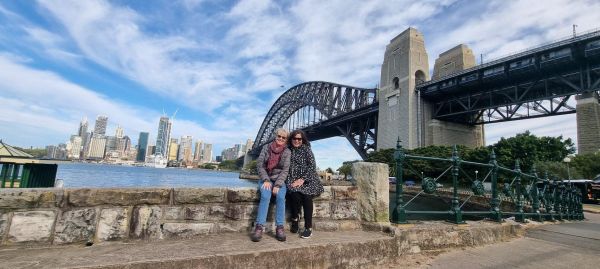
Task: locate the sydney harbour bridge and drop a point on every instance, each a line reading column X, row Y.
column 453, row 107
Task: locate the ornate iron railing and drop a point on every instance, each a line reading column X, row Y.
column 533, row 197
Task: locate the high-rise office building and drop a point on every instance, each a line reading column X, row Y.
column 248, row 146
column 75, row 150
column 198, row 151
column 123, row 145
column 97, row 147
column 83, row 126
column 111, row 143
column 163, row 136
column 119, row 132
column 173, row 150
column 185, row 149
column 207, row 153
column 142, row 147
column 100, row 126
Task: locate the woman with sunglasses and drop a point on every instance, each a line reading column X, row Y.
column 303, row 182
column 272, row 165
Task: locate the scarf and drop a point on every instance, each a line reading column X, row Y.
column 274, row 156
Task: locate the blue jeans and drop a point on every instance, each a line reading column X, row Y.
column 265, row 199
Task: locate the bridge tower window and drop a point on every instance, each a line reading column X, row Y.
column 419, row 77
column 396, row 82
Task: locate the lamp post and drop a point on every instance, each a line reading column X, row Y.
column 568, row 160
column 476, row 172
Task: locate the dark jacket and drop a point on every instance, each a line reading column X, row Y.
column 280, row 172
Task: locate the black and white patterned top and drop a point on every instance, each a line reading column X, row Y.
column 302, row 165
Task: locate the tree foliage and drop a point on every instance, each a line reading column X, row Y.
column 588, row 165
column 527, row 148
column 228, row 165
column 251, row 167
column 36, row 153
column 346, row 169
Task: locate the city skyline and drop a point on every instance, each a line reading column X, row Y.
column 214, row 62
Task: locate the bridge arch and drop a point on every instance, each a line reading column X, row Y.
column 323, row 109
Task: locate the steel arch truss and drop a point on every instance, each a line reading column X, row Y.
column 319, row 107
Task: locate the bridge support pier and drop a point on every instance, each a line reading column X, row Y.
column 588, row 123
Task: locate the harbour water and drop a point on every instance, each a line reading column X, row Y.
column 82, row 175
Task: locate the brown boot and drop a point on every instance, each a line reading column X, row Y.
column 258, row 232
column 280, row 233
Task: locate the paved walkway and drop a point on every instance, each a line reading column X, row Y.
column 568, row 245
column 178, row 254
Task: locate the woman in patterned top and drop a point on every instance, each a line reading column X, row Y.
column 302, row 182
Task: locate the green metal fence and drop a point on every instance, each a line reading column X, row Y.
column 534, row 197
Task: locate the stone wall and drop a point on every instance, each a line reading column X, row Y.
column 87, row 216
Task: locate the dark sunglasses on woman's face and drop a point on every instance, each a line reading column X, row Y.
column 281, row 136
column 297, row 138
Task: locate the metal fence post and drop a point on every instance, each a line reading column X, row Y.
column 535, row 192
column 495, row 202
column 548, row 198
column 557, row 200
column 520, row 217
column 399, row 214
column 455, row 206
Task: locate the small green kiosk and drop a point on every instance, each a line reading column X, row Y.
column 21, row 170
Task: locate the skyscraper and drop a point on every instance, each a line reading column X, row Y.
column 142, row 146
column 163, row 136
column 198, row 151
column 83, row 126
column 119, row 132
column 97, row 147
column 173, row 149
column 100, row 127
column 207, row 153
column 185, row 149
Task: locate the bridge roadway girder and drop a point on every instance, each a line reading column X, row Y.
column 531, row 84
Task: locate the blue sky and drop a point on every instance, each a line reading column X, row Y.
column 221, row 64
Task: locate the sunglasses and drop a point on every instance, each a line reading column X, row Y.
column 297, row 138
column 282, row 137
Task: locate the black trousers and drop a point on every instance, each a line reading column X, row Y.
column 298, row 200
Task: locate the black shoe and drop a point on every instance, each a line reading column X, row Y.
column 294, row 229
column 306, row 233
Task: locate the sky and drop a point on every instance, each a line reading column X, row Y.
column 220, row 65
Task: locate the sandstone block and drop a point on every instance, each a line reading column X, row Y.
column 373, row 191
column 31, row 226
column 345, row 192
column 321, row 210
column 326, row 226
column 113, row 224
column 145, row 223
column 198, row 196
column 344, row 210
column 186, row 230
column 233, row 226
column 349, row 225
column 119, row 197
column 326, row 195
column 237, row 195
column 173, row 213
column 3, row 225
column 75, row 226
column 31, row 198
column 204, row 212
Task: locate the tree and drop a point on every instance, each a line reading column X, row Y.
column 588, row 165
column 36, row 153
column 558, row 169
column 209, row 166
column 346, row 169
column 251, row 167
column 228, row 165
column 329, row 170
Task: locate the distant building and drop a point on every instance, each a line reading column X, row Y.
column 198, row 151
column 97, row 147
column 51, row 152
column 207, row 153
column 83, row 126
column 163, row 136
column 123, row 145
column 100, row 126
column 111, row 143
column 173, row 148
column 119, row 132
column 75, row 149
column 248, row 146
column 219, row 159
column 142, row 147
column 185, row 149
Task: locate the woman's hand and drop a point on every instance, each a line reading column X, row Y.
column 275, row 190
column 267, row 185
column 297, row 183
